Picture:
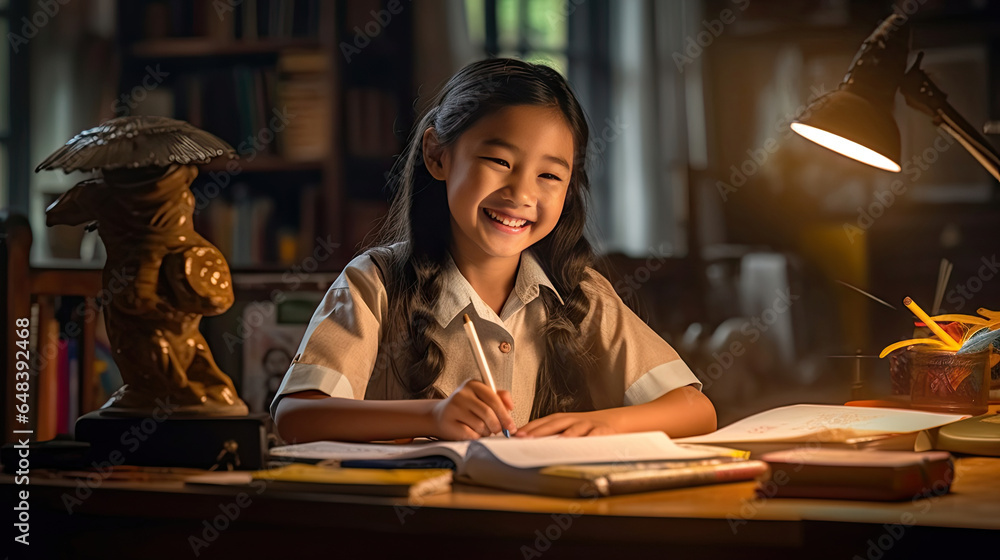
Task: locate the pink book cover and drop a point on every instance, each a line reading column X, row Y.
column 62, row 423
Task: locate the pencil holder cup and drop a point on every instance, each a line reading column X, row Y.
column 899, row 371
column 995, row 372
column 945, row 381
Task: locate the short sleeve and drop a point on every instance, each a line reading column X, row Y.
column 634, row 364
column 338, row 351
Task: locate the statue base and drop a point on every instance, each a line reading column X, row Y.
column 216, row 442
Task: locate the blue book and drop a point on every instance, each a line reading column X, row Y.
column 431, row 462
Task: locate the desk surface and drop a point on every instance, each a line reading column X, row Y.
column 168, row 519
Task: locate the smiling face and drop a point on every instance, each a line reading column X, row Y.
column 507, row 177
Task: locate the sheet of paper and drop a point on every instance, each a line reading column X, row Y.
column 617, row 448
column 342, row 451
column 821, row 423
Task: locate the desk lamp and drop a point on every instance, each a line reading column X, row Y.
column 856, row 120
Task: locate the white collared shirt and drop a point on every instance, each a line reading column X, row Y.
column 340, row 354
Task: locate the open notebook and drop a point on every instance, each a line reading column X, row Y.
column 515, row 452
column 557, row 466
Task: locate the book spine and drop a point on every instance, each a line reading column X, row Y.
column 646, row 480
column 47, row 364
column 62, row 419
column 73, row 376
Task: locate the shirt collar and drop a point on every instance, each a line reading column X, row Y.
column 458, row 293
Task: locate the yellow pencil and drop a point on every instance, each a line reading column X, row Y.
column 477, row 351
column 944, row 336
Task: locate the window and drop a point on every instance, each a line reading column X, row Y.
column 532, row 30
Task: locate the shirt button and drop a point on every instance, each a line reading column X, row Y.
column 505, row 347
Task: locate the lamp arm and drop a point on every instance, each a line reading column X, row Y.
column 921, row 93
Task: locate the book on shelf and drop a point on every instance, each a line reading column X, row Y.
column 298, row 477
column 566, row 467
column 228, row 20
column 359, row 13
column 303, row 95
column 370, row 114
column 830, row 426
column 309, row 208
column 255, row 228
column 241, row 105
column 72, row 376
column 61, row 390
column 846, row 474
column 47, row 365
column 214, row 24
column 62, row 377
column 249, row 25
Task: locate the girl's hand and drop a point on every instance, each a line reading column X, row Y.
column 472, row 411
column 568, row 424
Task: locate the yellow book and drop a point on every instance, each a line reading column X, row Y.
column 317, row 478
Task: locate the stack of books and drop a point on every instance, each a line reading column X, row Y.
column 304, row 98
column 829, row 454
column 565, row 467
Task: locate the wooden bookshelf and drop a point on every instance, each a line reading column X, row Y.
column 318, row 171
column 265, row 163
column 199, row 47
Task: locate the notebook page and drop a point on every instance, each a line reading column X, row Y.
column 807, row 422
column 616, row 448
column 344, row 451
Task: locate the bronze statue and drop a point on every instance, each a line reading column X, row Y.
column 142, row 207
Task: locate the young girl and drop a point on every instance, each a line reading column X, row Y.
column 487, row 220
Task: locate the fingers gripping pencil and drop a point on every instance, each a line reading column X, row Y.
column 477, row 351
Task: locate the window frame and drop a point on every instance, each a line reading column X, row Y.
column 491, row 44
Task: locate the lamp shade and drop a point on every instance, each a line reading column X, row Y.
column 855, row 126
column 856, row 120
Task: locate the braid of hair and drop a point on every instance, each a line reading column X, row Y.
column 562, row 377
column 427, row 358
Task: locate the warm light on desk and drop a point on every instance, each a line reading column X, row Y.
column 845, row 147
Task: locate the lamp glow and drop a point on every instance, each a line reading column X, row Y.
column 845, row 147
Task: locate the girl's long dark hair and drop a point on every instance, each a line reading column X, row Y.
column 420, row 206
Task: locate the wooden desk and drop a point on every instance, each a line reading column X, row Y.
column 165, row 519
